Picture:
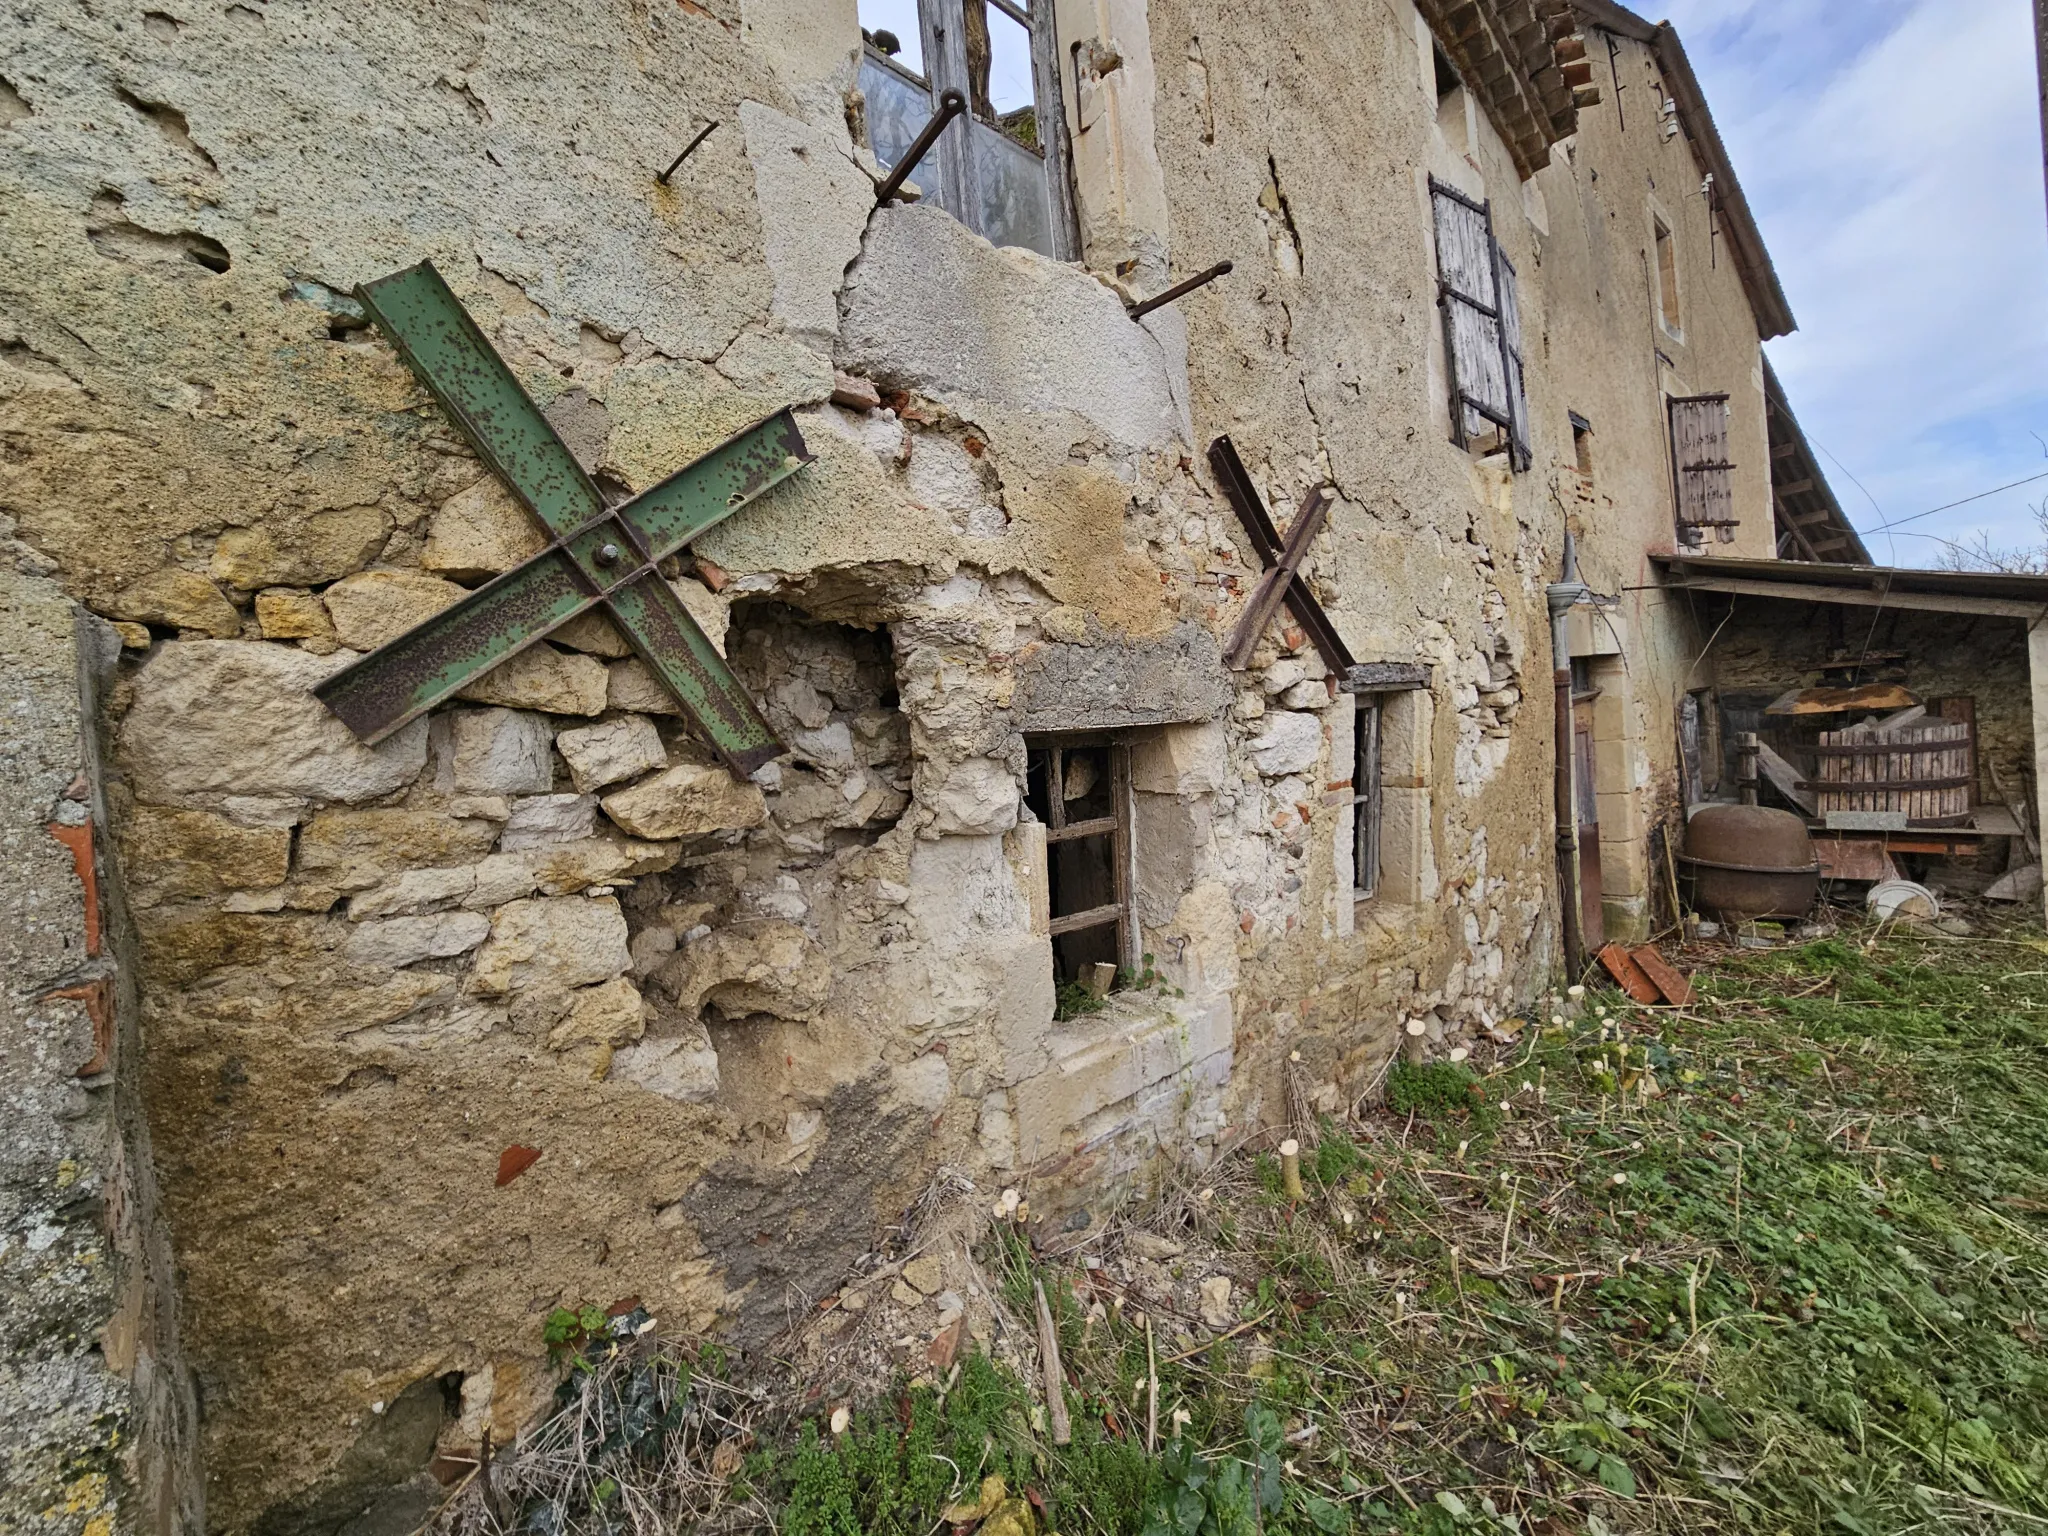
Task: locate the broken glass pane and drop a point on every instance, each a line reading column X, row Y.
column 1011, row 184
column 897, row 108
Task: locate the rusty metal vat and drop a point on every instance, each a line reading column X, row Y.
column 1749, row 861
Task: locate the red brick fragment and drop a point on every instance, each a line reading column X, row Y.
column 1670, row 981
column 1621, row 965
column 945, row 1347
column 78, row 840
column 514, row 1161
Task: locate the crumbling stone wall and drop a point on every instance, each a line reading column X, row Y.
column 98, row 1425
column 532, row 1003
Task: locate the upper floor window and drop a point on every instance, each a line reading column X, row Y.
column 1582, row 444
column 1002, row 169
column 1451, row 103
column 1702, row 476
column 1482, row 328
column 1667, row 278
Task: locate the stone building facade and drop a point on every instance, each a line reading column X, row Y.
column 532, row 1002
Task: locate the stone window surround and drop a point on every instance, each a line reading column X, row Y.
column 1407, row 838
column 1123, row 838
column 1663, row 241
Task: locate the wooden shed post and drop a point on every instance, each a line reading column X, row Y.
column 2037, row 678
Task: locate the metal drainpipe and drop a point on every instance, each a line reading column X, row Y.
column 1562, row 594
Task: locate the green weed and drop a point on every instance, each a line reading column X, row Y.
column 1777, row 1262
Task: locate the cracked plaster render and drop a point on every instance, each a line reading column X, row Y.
column 1064, row 556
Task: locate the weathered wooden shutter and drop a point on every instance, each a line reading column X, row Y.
column 1700, row 468
column 1482, row 324
column 1511, row 347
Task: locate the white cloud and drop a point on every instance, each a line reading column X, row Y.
column 1892, row 154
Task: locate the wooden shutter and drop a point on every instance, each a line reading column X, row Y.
column 1511, row 348
column 1482, row 323
column 1701, row 473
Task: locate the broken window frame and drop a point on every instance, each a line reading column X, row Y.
column 1047, row 754
column 1367, row 724
column 1489, row 320
column 955, row 174
column 1702, row 476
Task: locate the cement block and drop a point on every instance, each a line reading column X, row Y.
column 933, row 304
column 1090, row 1073
column 1189, row 759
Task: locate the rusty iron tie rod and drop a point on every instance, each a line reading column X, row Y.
column 1179, row 290
column 688, row 150
column 951, row 105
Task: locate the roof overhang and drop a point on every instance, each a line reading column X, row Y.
column 1992, row 594
column 1518, row 59
column 1738, row 224
column 1810, row 520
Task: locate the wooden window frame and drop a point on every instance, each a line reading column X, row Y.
column 1367, row 727
column 1117, row 826
column 942, row 29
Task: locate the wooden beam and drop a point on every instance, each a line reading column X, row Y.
column 1861, row 597
column 1794, row 488
column 1792, row 527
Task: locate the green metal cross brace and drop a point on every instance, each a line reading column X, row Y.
column 601, row 557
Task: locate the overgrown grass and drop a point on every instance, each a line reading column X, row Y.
column 1775, row 1263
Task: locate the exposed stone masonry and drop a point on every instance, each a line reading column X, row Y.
column 533, row 1003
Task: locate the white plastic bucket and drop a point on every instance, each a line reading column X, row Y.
column 1902, row 898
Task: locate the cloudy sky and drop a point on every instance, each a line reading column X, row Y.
column 1891, row 150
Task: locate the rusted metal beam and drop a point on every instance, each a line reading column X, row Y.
column 689, row 149
column 1179, row 290
column 1258, row 525
column 1280, row 576
column 951, row 105
column 600, row 557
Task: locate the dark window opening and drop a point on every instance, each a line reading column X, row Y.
column 1002, row 169
column 1081, row 791
column 1582, row 443
column 1451, row 105
column 1447, row 79
column 1365, row 799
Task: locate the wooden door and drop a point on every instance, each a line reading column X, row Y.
column 1592, row 926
